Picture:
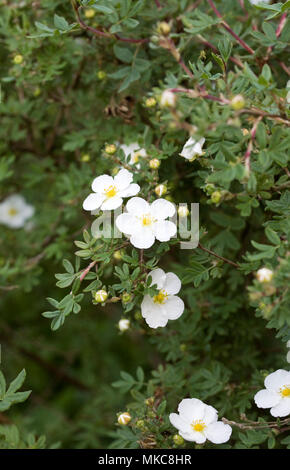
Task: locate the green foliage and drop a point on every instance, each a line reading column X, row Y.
column 73, row 83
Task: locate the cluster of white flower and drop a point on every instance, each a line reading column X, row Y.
column 134, row 152
column 276, row 394
column 14, row 211
column 192, row 149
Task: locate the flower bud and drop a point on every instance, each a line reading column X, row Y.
column 150, row 102
column 160, row 190
column 101, row 74
column 238, row 102
column 149, row 401
column 126, row 297
column 110, row 149
column 124, row 324
column 154, row 163
column 117, row 255
column 124, row 418
column 18, row 59
column 90, row 13
column 183, row 211
column 178, row 440
column 216, row 197
column 163, row 28
column 168, row 99
column 101, row 296
column 141, row 425
column 85, row 158
column 264, row 275
column 37, row 92
column 183, row 347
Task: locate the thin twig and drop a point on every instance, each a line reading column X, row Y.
column 87, row 270
column 218, row 256
column 250, row 146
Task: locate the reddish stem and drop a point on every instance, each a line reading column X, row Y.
column 87, row 270
column 229, row 29
column 250, row 146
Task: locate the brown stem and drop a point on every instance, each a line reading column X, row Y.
column 87, row 270
column 229, row 29
column 218, row 256
column 250, row 146
column 256, row 425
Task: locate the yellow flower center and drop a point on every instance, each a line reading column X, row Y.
column 111, row 191
column 147, row 219
column 161, row 297
column 285, row 391
column 135, row 157
column 12, row 211
column 198, row 425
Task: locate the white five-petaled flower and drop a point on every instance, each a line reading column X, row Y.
column 165, row 305
column 264, row 275
column 276, row 395
column 143, row 222
column 192, row 149
column 134, row 151
column 197, row 422
column 109, row 191
column 14, row 211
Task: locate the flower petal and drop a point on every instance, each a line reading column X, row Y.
column 164, row 230
column 161, row 209
column 101, row 183
column 93, row 202
column 174, row 307
column 218, row 432
column 193, row 436
column 131, row 190
column 142, row 238
column 112, row 203
column 191, row 409
column 126, row 223
column 179, row 423
column 266, row 399
column 210, row 415
column 158, row 277
column 276, row 380
column 172, row 284
column 123, row 179
column 137, row 206
column 282, row 409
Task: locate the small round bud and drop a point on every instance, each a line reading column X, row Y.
column 124, row 324
column 141, row 425
column 101, row 296
column 18, row 59
column 90, row 13
column 149, row 401
column 117, row 255
column 178, row 440
column 126, row 297
column 124, row 419
column 209, row 188
column 245, row 131
column 101, row 74
column 85, row 157
column 163, row 28
column 238, row 102
column 160, row 190
column 37, row 92
column 216, row 197
column 150, row 102
column 183, row 347
column 110, row 149
column 264, row 275
column 183, row 211
column 168, row 99
column 154, row 163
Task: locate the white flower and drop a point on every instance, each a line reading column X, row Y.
column 168, row 99
column 165, row 305
column 264, row 275
column 14, row 211
column 144, row 222
column 109, row 192
column 256, row 2
column 192, row 149
column 288, row 94
column 276, row 395
column 197, row 422
column 124, row 324
column 134, row 151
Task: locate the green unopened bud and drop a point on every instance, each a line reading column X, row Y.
column 160, row 190
column 101, row 296
column 140, row 424
column 37, row 92
column 85, row 158
column 154, row 163
column 183, row 347
column 150, row 102
column 101, row 74
column 238, row 102
column 216, row 197
column 18, row 59
column 178, row 440
column 149, row 401
column 90, row 13
column 126, row 297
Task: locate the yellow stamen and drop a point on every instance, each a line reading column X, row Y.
column 198, row 425
column 111, row 191
column 147, row 220
column 135, row 157
column 12, row 211
column 285, row 391
column 161, row 297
